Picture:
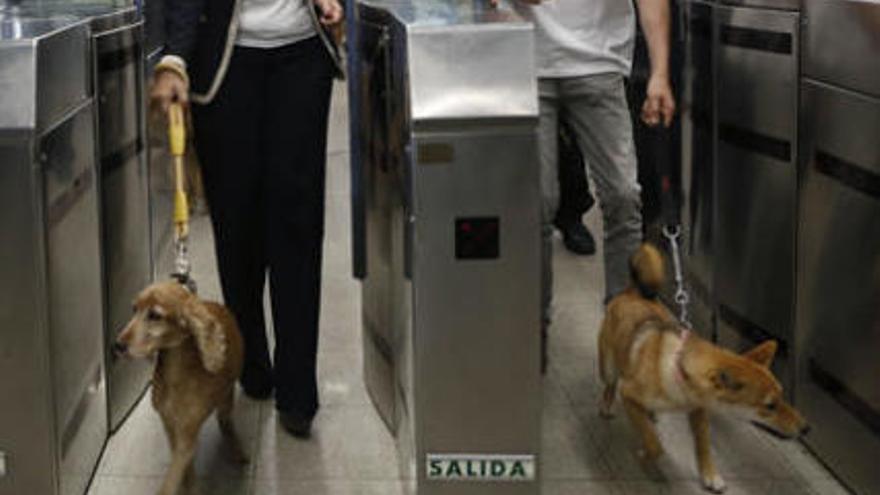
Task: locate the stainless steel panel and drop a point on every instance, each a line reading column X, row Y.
column 74, row 290
column 755, row 181
column 842, row 41
column 60, row 75
column 838, row 327
column 127, row 266
column 698, row 157
column 378, row 190
column 451, row 365
column 52, row 350
column 474, row 87
column 26, row 431
column 63, row 77
column 476, row 356
column 439, row 31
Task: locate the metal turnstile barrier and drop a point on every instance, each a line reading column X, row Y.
column 53, row 403
column 446, row 222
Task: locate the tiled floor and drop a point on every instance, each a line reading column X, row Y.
column 352, row 453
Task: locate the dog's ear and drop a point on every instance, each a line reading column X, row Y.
column 724, row 379
column 209, row 336
column 762, row 354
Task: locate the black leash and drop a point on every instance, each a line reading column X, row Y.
column 660, row 144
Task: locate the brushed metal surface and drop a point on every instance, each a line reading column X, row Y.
column 842, row 43
column 838, row 330
column 24, row 354
column 477, row 322
column 52, row 349
column 460, row 56
column 60, row 75
column 74, row 293
column 755, row 182
column 698, row 157
column 119, row 77
column 450, row 346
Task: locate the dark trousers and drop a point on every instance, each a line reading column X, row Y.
column 575, row 198
column 262, row 145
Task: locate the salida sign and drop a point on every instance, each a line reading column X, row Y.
column 446, row 467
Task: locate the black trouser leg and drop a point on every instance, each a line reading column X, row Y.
column 228, row 134
column 298, row 86
column 575, row 198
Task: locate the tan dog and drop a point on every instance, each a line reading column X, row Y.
column 657, row 366
column 199, row 356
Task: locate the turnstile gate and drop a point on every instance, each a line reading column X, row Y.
column 446, row 219
column 53, row 402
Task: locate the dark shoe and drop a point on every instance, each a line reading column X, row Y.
column 296, row 424
column 577, row 238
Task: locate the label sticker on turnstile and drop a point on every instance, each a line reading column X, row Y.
column 477, row 238
column 480, row 467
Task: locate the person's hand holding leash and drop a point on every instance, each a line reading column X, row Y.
column 659, row 106
column 170, row 85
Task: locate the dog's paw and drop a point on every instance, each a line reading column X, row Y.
column 714, row 483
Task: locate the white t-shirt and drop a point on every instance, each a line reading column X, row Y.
column 582, row 37
column 273, row 23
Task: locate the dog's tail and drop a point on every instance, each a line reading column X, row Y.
column 648, row 270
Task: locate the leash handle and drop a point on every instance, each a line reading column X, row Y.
column 177, row 147
column 176, row 130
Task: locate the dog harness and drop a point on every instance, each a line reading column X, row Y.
column 679, row 355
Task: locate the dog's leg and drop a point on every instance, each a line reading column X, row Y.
column 699, row 420
column 641, row 420
column 609, row 378
column 227, row 428
column 183, row 449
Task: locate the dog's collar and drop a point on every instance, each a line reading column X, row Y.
column 679, row 355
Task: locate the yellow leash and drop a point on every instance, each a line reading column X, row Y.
column 177, row 146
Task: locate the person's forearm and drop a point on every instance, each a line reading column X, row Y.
column 654, row 18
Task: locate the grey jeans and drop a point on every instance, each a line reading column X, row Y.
column 595, row 108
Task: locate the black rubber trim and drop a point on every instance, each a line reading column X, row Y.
column 757, row 39
column 115, row 60
column 750, row 330
column 61, row 206
column 116, row 159
column 758, row 143
column 848, row 174
column 847, row 399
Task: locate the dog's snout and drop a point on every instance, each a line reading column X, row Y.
column 119, row 348
column 806, row 429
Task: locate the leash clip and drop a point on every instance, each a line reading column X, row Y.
column 682, row 298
